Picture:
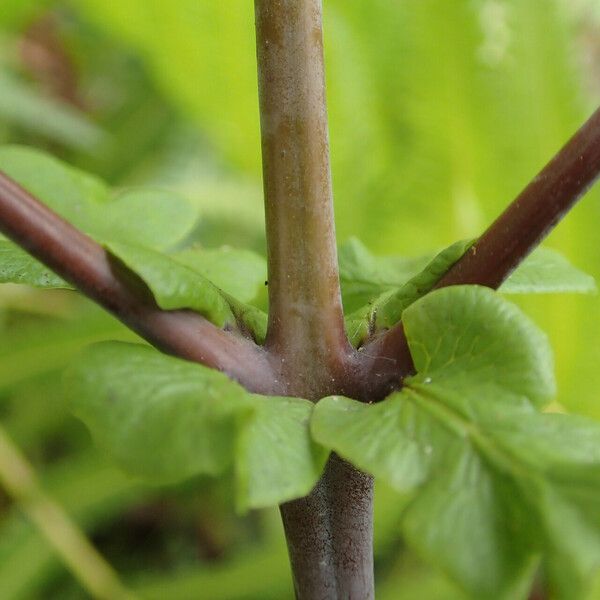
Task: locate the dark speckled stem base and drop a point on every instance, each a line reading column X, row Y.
column 330, row 536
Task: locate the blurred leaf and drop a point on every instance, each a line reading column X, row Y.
column 23, row 106
column 34, row 350
column 91, row 491
column 151, row 217
column 546, row 271
column 165, row 419
column 411, row 579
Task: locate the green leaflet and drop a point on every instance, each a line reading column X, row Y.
column 16, row 266
column 165, row 420
column 364, row 276
column 240, row 273
column 276, row 457
column 32, row 352
column 154, row 218
column 494, row 482
column 386, row 309
column 179, row 283
column 546, row 271
column 388, row 285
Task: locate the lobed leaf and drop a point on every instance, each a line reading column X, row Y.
column 165, row 420
column 495, row 483
column 275, row 456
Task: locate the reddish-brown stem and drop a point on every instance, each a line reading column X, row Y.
column 85, row 264
column 512, row 236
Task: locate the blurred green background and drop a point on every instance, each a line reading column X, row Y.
column 440, row 113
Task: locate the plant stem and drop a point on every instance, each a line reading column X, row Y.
column 533, row 214
column 329, row 533
column 306, row 326
column 330, row 536
column 84, row 561
column 505, row 244
column 86, row 264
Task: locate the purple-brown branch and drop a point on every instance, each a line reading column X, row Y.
column 84, row 263
column 506, row 243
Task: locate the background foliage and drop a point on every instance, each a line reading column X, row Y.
column 440, row 113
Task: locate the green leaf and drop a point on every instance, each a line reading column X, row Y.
column 278, row 430
column 364, row 276
column 16, row 266
column 153, row 218
column 165, row 420
column 386, row 309
column 469, row 338
column 240, row 273
column 30, row 352
column 68, row 191
column 159, row 417
column 558, row 472
column 546, row 271
column 179, row 283
column 494, row 482
column 388, row 285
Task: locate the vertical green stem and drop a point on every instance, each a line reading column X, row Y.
column 84, row 561
column 329, row 533
column 306, row 327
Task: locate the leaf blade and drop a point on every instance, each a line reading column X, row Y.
column 165, row 420
column 494, row 483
